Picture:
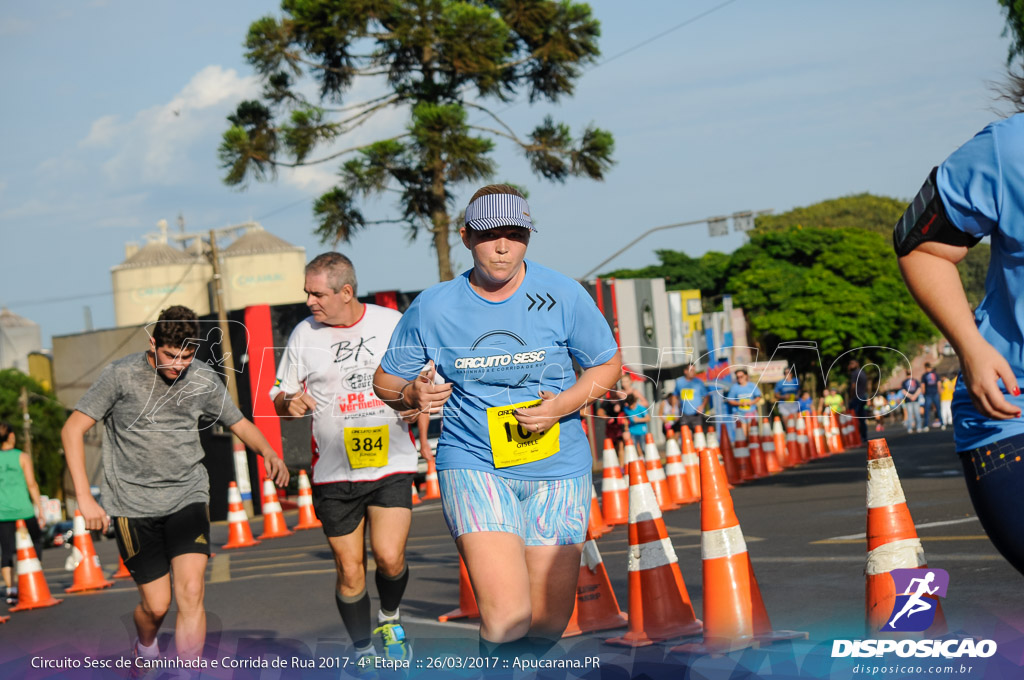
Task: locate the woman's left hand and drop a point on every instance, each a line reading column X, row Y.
column 543, row 416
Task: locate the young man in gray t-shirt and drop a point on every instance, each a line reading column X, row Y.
column 155, row 487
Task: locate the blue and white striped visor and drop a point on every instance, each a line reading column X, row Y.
column 498, row 210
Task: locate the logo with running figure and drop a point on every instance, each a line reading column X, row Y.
column 917, row 593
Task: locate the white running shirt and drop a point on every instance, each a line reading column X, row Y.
column 356, row 436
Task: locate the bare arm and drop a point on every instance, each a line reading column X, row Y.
column 592, row 383
column 254, row 439
column 33, row 487
column 420, row 394
column 422, row 423
column 292, row 406
column 931, row 276
column 72, row 435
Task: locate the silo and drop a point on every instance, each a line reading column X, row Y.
column 156, row 276
column 260, row 268
column 18, row 337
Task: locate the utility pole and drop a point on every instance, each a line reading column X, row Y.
column 228, row 361
column 26, row 422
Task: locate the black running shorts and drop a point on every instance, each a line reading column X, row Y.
column 148, row 544
column 341, row 506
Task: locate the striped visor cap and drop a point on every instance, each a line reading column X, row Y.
column 498, row 210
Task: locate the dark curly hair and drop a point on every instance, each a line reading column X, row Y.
column 175, row 325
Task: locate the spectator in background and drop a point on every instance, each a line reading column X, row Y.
column 670, row 409
column 912, row 412
column 693, row 399
column 805, row 403
column 786, row 391
column 611, row 411
column 637, row 416
column 946, row 388
column 631, row 384
column 930, row 380
column 19, row 499
column 744, row 398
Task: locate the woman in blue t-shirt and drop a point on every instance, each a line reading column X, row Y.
column 976, row 192
column 493, row 351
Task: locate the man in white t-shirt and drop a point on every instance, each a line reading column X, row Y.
column 363, row 456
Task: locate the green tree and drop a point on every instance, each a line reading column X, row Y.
column 839, row 287
column 441, row 62
column 47, row 416
column 1014, row 10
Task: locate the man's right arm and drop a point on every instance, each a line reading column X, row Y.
column 290, row 406
column 73, row 437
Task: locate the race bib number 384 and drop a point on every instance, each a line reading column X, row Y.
column 513, row 445
column 367, row 446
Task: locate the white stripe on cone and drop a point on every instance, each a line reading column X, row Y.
column 651, row 555
column 722, row 543
column 903, row 554
column 884, row 487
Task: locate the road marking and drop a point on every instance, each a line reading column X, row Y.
column 220, row 572
column 434, row 622
column 927, row 525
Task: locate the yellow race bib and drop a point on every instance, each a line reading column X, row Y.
column 367, row 446
column 511, row 444
column 686, row 395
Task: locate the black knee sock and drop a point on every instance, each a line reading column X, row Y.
column 391, row 588
column 355, row 614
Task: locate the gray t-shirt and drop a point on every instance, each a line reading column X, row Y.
column 152, row 459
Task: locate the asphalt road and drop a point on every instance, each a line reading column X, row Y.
column 804, row 530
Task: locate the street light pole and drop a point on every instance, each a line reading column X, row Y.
column 661, row 228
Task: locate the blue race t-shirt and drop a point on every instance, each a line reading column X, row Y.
column 788, row 387
column 500, row 354
column 746, row 394
column 636, row 430
column 982, row 188
column 931, row 383
column 691, row 395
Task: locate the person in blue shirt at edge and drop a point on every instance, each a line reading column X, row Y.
column 911, row 388
column 979, row 191
column 693, row 397
column 805, row 403
column 786, row 391
column 638, row 417
column 492, row 351
column 743, row 397
column 930, row 380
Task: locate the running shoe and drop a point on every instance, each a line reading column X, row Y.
column 392, row 636
column 12, row 596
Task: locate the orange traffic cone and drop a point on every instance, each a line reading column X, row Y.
column 659, row 604
column 122, row 571
column 675, row 471
column 782, row 442
column 597, row 526
column 818, row 437
column 892, row 540
column 415, row 496
column 728, row 455
column 734, row 614
column 467, row 599
column 239, row 534
column 274, row 525
column 614, row 496
column 307, row 516
column 773, row 457
column 433, row 490
column 803, row 442
column 88, row 574
column 692, row 462
column 596, row 607
column 656, row 475
column 629, row 454
column 757, row 462
column 740, row 471
column 4, row 619
column 835, row 442
column 792, row 445
column 33, row 593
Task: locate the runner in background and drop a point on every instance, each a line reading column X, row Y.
column 363, row 456
column 155, row 486
column 513, row 462
column 19, row 499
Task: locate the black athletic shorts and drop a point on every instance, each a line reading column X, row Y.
column 148, row 544
column 341, row 506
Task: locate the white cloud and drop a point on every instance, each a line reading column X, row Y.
column 102, row 132
column 163, row 144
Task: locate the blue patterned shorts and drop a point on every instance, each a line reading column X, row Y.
column 541, row 512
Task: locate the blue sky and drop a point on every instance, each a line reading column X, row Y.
column 113, row 112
